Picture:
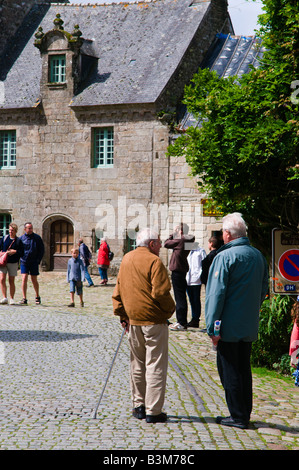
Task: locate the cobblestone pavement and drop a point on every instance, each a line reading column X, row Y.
column 54, row 362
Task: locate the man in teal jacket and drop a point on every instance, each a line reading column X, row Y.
column 237, row 285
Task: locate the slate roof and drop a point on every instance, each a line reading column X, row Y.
column 229, row 55
column 139, row 46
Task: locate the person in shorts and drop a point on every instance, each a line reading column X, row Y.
column 30, row 260
column 13, row 246
column 75, row 276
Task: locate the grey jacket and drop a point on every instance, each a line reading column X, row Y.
column 237, row 285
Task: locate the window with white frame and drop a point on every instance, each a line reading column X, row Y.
column 5, row 220
column 103, row 147
column 131, row 242
column 7, row 149
column 57, row 68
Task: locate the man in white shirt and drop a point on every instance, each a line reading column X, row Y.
column 195, row 257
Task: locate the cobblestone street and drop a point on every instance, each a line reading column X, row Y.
column 55, row 361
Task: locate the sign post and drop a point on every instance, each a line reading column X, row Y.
column 285, row 262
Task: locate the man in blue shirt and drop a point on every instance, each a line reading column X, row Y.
column 237, row 285
column 30, row 260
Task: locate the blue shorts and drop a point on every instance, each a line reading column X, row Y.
column 30, row 268
column 76, row 285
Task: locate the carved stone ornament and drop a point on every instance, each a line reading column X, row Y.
column 74, row 39
column 58, row 22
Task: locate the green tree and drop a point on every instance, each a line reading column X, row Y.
column 245, row 152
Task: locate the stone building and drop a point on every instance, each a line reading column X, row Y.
column 85, row 96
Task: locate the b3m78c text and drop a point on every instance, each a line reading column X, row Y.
column 170, row 459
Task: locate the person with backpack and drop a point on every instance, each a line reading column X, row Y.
column 104, row 260
column 85, row 256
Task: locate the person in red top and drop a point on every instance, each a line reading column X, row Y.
column 294, row 341
column 103, row 260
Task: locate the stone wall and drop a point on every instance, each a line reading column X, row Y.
column 187, row 199
column 54, row 177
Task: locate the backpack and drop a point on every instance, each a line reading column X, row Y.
column 110, row 255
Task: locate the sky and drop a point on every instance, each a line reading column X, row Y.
column 243, row 13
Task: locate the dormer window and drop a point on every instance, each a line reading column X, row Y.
column 57, row 68
column 61, row 60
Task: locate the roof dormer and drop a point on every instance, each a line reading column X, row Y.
column 60, row 52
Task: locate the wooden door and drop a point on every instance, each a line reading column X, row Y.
column 62, row 241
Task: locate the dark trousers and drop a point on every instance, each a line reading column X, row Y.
column 179, row 285
column 194, row 297
column 233, row 362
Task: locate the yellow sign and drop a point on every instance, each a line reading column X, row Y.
column 209, row 209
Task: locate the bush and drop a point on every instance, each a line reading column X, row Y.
column 271, row 348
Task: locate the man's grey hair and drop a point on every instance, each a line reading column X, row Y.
column 235, row 224
column 145, row 235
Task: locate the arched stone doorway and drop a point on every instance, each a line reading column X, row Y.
column 58, row 236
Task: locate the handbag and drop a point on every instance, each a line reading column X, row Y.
column 4, row 256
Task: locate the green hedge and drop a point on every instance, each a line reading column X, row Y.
column 272, row 347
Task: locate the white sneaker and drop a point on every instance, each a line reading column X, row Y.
column 177, row 327
column 12, row 302
column 4, row 301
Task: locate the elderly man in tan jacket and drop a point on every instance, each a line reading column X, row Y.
column 142, row 300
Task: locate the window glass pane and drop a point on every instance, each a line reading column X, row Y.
column 62, row 235
column 63, row 248
column 7, row 149
column 57, row 69
column 5, row 220
column 103, row 147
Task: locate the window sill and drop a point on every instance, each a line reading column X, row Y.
column 57, row 85
column 102, row 167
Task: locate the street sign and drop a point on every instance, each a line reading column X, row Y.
column 285, row 262
column 288, row 265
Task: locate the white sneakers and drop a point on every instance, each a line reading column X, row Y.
column 5, row 301
column 177, row 327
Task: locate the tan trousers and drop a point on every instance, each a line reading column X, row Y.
column 149, row 362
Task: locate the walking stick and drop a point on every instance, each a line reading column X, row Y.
column 122, row 335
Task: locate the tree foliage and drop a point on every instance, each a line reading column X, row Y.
column 275, row 327
column 245, row 152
